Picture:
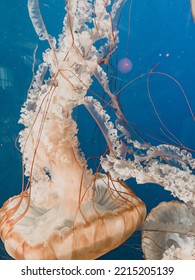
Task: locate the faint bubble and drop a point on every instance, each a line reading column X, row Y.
column 125, row 65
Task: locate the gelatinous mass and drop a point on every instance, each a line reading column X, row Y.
column 66, row 211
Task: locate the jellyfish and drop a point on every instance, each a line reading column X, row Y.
column 65, row 211
column 169, row 232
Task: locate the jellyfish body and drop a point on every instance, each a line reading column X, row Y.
column 169, row 232
column 66, row 211
column 100, row 225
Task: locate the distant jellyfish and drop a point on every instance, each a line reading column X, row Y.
column 125, row 65
column 169, row 232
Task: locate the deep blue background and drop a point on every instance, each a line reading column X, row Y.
column 161, row 31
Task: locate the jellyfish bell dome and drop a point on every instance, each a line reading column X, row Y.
column 169, row 232
column 99, row 225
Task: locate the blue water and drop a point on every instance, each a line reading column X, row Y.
column 161, row 32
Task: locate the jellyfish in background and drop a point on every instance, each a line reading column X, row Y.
column 66, row 211
column 169, row 232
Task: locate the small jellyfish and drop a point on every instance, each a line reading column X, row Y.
column 125, row 65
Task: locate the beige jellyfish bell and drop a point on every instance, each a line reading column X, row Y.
column 100, row 225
